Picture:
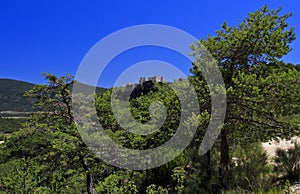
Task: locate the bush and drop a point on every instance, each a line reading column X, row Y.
column 251, row 171
column 288, row 163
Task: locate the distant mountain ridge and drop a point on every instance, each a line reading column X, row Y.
column 12, row 95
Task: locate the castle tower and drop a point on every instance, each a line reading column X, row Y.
column 156, row 79
column 142, row 80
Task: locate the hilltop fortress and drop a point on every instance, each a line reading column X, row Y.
column 154, row 79
column 143, row 81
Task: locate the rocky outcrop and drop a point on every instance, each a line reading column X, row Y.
column 273, row 145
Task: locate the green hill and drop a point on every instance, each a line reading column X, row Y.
column 15, row 108
column 11, row 96
column 12, row 99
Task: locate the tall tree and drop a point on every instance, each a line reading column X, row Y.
column 260, row 39
column 54, row 101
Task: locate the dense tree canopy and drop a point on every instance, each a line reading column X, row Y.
column 48, row 155
column 244, row 54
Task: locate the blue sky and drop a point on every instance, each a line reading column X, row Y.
column 54, row 35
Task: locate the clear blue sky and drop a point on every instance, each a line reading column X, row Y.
column 54, row 35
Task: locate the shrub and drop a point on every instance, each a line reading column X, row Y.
column 288, row 162
column 251, row 171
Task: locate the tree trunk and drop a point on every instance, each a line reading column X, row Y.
column 90, row 184
column 208, row 172
column 225, row 160
column 89, row 177
column 208, row 164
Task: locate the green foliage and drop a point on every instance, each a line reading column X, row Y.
column 11, row 96
column 51, row 140
column 117, row 183
column 9, row 125
column 295, row 122
column 288, row 162
column 256, row 100
column 262, row 37
column 152, row 189
column 47, row 154
column 274, row 190
column 276, row 90
column 139, row 110
column 178, row 178
column 251, row 171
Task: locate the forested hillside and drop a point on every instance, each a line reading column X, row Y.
column 15, row 108
column 52, row 152
column 12, row 96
